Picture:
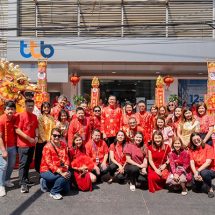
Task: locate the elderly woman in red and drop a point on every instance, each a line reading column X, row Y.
column 206, row 123
column 117, row 158
column 179, row 160
column 202, row 163
column 54, row 169
column 81, row 164
column 136, row 161
column 158, row 160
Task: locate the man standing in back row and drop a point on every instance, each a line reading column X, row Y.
column 110, row 120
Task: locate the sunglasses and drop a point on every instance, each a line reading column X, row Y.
column 56, row 135
column 96, row 110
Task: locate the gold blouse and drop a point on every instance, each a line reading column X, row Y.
column 46, row 124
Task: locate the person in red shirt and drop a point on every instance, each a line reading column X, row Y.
column 7, row 146
column 82, row 165
column 95, row 119
column 202, row 163
column 61, row 105
column 206, row 123
column 132, row 129
column 79, row 125
column 97, row 149
column 144, row 120
column 110, row 120
column 54, row 168
column 158, row 160
column 117, row 159
column 27, row 130
column 136, row 161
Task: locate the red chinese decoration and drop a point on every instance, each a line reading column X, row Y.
column 168, row 80
column 74, row 79
column 211, row 102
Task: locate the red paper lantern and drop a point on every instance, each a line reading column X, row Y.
column 74, row 79
column 168, row 80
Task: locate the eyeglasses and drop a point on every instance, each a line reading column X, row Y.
column 96, row 110
column 56, row 135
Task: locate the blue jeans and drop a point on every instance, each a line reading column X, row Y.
column 7, row 165
column 55, row 182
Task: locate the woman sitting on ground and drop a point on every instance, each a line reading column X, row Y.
column 136, row 161
column 81, row 164
column 117, row 158
column 202, row 163
column 179, row 160
column 54, row 169
column 158, row 160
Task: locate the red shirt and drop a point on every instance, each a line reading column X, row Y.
column 56, row 110
column 96, row 150
column 81, row 127
column 110, row 121
column 117, row 150
column 200, row 155
column 27, row 123
column 130, row 133
column 51, row 161
column 206, row 121
column 124, row 120
column 135, row 152
column 95, row 123
column 7, row 130
column 145, row 120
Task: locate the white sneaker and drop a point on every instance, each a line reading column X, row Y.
column 132, row 187
column 56, row 196
column 9, row 184
column 2, row 191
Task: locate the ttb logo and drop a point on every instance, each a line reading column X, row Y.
column 46, row 51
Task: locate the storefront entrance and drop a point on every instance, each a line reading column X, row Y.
column 124, row 90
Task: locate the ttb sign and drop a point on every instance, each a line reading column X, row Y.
column 36, row 51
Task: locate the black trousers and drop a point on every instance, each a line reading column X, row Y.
column 38, row 155
column 120, row 178
column 133, row 173
column 104, row 174
column 207, row 176
column 25, row 158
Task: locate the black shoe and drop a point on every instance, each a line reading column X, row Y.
column 24, row 188
column 210, row 194
column 29, row 183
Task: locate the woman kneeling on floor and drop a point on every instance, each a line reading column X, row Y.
column 180, row 172
column 136, row 161
column 202, row 163
column 117, row 159
column 81, row 164
column 54, row 169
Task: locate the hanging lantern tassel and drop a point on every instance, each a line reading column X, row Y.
column 168, row 80
column 74, row 79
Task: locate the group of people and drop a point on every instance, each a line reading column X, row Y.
column 168, row 146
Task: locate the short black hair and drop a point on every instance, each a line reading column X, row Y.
column 79, row 108
column 10, row 104
column 29, row 101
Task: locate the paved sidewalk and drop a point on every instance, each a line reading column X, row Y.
column 104, row 200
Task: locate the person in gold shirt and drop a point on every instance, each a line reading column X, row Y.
column 46, row 124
